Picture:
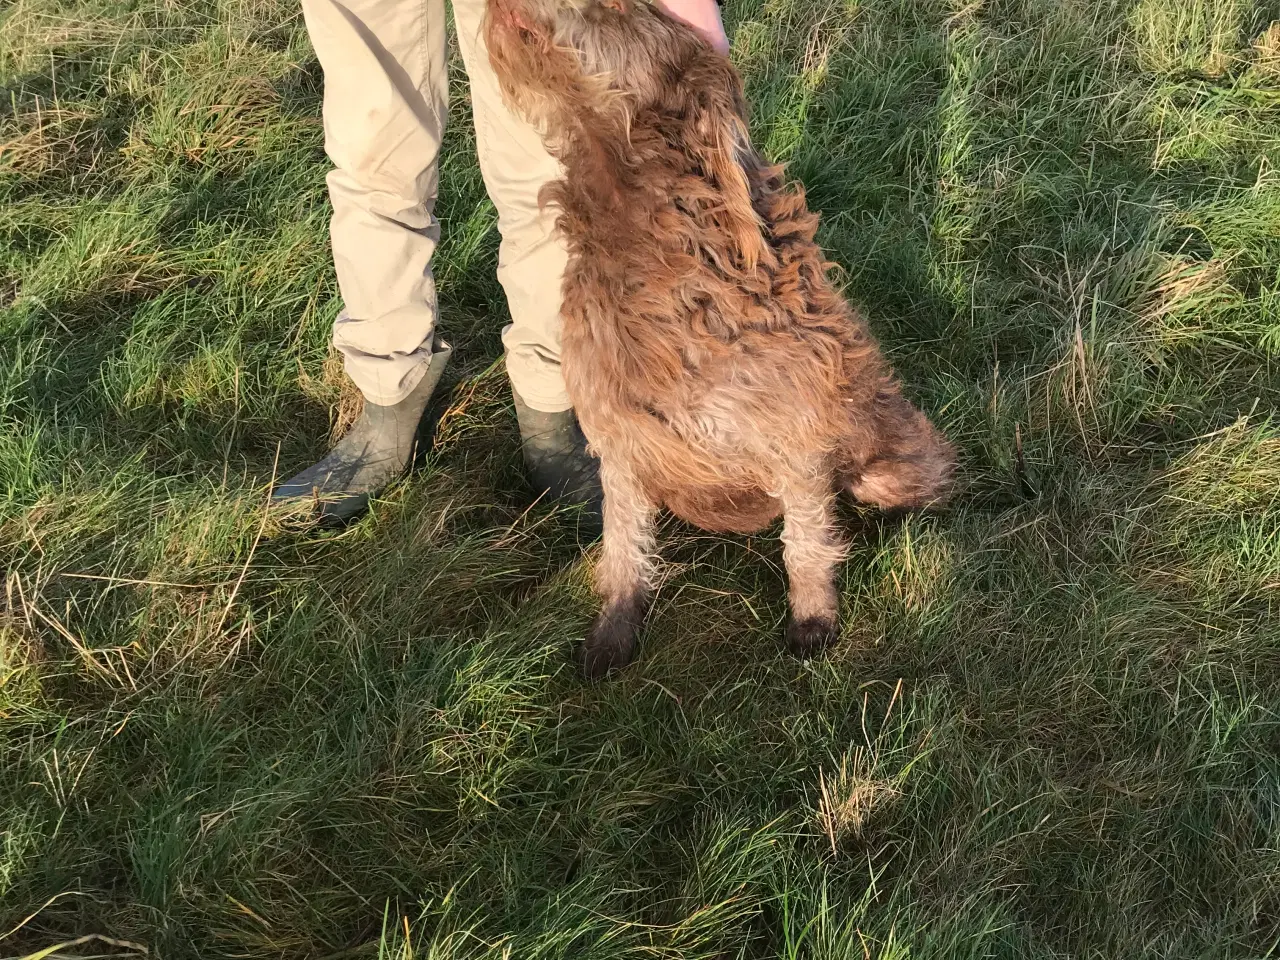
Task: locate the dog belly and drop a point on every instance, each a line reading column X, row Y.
column 723, row 510
column 703, row 481
column 708, row 481
column 688, row 449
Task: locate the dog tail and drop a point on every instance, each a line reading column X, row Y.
column 911, row 464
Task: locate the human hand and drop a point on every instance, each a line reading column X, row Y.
column 703, row 16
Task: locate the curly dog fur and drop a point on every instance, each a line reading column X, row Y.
column 715, row 370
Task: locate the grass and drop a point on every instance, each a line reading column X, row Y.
column 1051, row 729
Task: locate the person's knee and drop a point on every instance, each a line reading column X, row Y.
column 392, row 197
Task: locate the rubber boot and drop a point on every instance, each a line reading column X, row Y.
column 378, row 449
column 558, row 464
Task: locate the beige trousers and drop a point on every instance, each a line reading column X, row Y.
column 386, row 98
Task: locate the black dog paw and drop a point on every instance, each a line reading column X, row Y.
column 811, row 635
column 610, row 643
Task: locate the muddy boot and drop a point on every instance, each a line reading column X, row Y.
column 557, row 462
column 377, row 450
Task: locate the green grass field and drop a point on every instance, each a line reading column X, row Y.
column 1051, row 727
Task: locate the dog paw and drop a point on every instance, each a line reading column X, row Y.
column 811, row 635
column 610, row 645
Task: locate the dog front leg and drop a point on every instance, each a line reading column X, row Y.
column 811, row 551
column 624, row 573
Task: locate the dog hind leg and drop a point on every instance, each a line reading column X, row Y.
column 811, row 550
column 624, row 573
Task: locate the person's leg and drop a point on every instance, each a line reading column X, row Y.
column 531, row 258
column 386, row 99
column 531, row 264
column 385, row 105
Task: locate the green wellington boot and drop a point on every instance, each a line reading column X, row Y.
column 557, row 461
column 378, row 449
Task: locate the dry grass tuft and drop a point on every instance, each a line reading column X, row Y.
column 849, row 797
column 334, row 390
column 1266, row 50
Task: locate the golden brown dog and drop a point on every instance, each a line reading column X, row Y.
column 714, row 369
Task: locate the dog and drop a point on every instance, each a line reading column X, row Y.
column 715, row 369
